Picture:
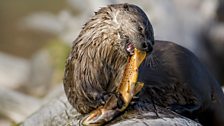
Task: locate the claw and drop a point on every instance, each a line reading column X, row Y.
column 98, row 117
column 103, row 114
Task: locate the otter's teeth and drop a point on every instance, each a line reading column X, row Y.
column 130, row 49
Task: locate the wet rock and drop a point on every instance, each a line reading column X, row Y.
column 40, row 75
column 5, row 122
column 54, row 93
column 46, row 68
column 59, row 112
column 14, row 71
column 43, row 21
column 16, row 106
column 92, row 5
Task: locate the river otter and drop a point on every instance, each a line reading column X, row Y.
column 99, row 54
column 172, row 75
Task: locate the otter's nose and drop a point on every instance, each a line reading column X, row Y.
column 146, row 46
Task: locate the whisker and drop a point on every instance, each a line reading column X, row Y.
column 152, row 62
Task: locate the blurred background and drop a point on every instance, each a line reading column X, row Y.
column 36, row 37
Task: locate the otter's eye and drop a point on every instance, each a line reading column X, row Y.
column 140, row 29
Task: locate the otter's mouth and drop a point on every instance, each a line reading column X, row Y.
column 130, row 48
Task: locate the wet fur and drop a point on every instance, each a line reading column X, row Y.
column 96, row 63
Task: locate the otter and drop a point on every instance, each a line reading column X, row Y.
column 173, row 77
column 99, row 54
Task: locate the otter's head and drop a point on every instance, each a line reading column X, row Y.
column 135, row 30
column 125, row 24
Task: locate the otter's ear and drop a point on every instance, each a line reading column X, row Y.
column 126, row 7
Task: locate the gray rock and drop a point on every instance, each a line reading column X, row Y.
column 59, row 112
column 54, row 93
column 4, row 122
column 40, row 75
column 43, row 21
column 176, row 121
column 13, row 71
column 16, row 106
column 88, row 6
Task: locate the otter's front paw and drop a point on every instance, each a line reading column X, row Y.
column 104, row 97
column 103, row 114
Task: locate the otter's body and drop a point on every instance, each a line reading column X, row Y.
column 100, row 53
column 175, row 79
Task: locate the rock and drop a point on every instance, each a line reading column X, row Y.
column 59, row 112
column 176, row 121
column 63, row 25
column 81, row 5
column 46, row 68
column 54, row 93
column 40, row 75
column 96, row 5
column 16, row 106
column 14, row 71
column 5, row 122
column 56, row 113
column 43, row 21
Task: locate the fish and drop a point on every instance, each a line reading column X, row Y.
column 129, row 86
